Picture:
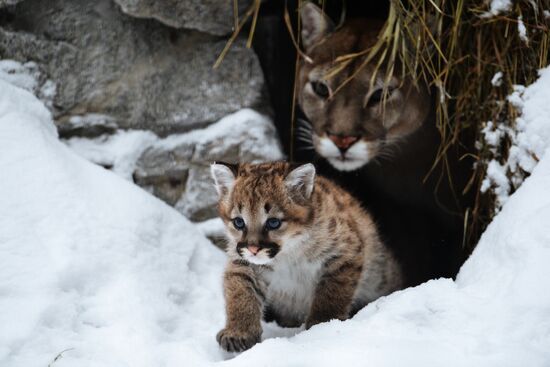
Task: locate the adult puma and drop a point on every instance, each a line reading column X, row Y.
column 383, row 150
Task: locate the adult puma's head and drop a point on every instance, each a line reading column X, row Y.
column 354, row 125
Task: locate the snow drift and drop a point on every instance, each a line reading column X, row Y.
column 95, row 267
column 91, row 264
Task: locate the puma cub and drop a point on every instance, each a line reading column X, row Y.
column 300, row 249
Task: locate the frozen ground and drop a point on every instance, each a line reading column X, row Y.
column 93, row 266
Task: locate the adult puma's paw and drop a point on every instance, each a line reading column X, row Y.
column 237, row 341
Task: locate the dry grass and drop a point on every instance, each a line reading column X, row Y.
column 458, row 49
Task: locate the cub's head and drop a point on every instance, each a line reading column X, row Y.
column 353, row 125
column 265, row 207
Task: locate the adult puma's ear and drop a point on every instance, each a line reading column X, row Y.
column 300, row 181
column 315, row 25
column 224, row 176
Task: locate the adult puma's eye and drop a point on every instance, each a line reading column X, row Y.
column 377, row 96
column 273, row 223
column 238, row 222
column 321, row 89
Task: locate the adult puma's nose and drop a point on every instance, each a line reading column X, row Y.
column 343, row 142
column 253, row 248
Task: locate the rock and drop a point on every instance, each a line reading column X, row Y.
column 245, row 136
column 4, row 3
column 199, row 200
column 211, row 16
column 29, row 77
column 138, row 73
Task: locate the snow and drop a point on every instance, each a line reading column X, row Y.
column 212, row 227
column 29, row 77
column 92, row 119
column 529, row 136
column 533, row 136
column 91, row 263
column 496, row 81
column 522, row 31
column 497, row 7
column 228, row 132
column 119, row 151
column 93, row 266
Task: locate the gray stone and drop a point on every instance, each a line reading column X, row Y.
column 4, row 3
column 198, row 201
column 139, row 73
column 169, row 187
column 245, row 136
column 211, row 16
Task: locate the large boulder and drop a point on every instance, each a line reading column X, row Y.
column 212, row 16
column 136, row 73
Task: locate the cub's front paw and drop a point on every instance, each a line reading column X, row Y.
column 236, row 341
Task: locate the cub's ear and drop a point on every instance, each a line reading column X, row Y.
column 224, row 176
column 315, row 25
column 300, row 181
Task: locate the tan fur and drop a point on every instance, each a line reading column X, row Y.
column 351, row 112
column 330, row 263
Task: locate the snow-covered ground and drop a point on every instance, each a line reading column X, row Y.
column 96, row 272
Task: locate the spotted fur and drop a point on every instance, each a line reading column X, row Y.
column 324, row 262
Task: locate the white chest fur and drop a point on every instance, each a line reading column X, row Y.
column 291, row 285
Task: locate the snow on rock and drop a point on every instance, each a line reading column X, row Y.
column 119, row 151
column 29, row 77
column 90, row 264
column 93, row 266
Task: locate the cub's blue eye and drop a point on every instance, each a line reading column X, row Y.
column 273, row 223
column 238, row 223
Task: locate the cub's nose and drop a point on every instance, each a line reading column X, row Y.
column 343, row 142
column 253, row 248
